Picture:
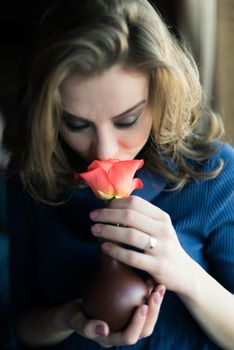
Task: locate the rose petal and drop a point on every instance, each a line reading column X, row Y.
column 112, row 178
column 98, row 181
column 136, row 184
column 104, row 164
column 121, row 175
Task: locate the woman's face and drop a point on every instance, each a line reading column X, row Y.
column 106, row 116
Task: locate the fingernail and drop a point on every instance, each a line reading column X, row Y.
column 162, row 291
column 100, row 330
column 105, row 247
column 93, row 214
column 144, row 310
column 157, row 298
column 96, row 229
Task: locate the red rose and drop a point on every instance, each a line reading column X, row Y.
column 112, row 178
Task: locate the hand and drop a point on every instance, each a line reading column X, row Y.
column 141, row 325
column 139, row 221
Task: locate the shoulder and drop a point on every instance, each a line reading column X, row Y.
column 221, row 187
column 224, row 154
column 218, row 188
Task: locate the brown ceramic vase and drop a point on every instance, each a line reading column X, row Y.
column 113, row 293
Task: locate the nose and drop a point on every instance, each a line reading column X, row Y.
column 106, row 145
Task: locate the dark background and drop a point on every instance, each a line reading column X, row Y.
column 17, row 22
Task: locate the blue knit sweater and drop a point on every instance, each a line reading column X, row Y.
column 52, row 250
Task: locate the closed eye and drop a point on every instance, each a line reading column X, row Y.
column 76, row 124
column 73, row 123
column 127, row 122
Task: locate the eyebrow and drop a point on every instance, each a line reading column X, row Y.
column 130, row 109
column 116, row 116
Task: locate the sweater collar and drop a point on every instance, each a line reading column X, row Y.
column 153, row 184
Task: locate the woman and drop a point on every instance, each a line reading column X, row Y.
column 108, row 81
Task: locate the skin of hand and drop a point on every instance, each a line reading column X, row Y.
column 50, row 326
column 141, row 325
column 166, row 263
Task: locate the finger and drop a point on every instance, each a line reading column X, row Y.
column 130, row 218
column 132, row 333
column 138, row 260
column 78, row 322
column 125, row 235
column 154, row 303
column 95, row 329
column 140, row 205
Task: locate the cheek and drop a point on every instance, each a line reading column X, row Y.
column 136, row 140
column 140, row 135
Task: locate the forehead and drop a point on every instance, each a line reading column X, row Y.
column 111, row 92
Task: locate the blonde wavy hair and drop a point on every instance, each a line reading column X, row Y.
column 90, row 38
